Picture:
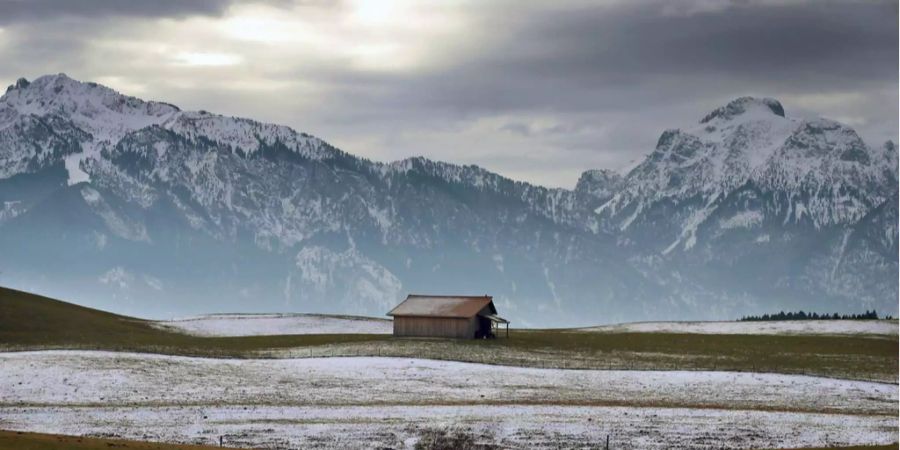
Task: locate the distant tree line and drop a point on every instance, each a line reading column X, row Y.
column 801, row 315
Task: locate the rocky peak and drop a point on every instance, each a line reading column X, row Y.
column 601, row 183
column 824, row 138
column 97, row 109
column 60, row 91
column 745, row 105
column 21, row 83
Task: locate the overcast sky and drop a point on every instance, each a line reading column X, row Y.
column 538, row 91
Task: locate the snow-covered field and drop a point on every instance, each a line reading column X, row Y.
column 820, row 327
column 369, row 402
column 530, row 426
column 276, row 324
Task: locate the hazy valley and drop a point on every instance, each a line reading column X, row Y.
column 140, row 207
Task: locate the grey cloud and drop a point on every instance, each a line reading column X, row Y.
column 569, row 59
column 757, row 39
column 15, row 11
column 634, row 57
column 524, row 129
column 519, row 128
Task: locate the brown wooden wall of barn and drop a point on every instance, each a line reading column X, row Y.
column 435, row 327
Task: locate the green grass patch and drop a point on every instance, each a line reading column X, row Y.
column 829, row 355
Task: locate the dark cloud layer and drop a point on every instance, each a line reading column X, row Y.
column 37, row 10
column 535, row 90
column 744, row 40
column 570, row 59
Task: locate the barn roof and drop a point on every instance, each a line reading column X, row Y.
column 442, row 306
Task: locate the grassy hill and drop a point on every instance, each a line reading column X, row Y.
column 32, row 322
column 29, row 322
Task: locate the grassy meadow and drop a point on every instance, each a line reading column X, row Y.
column 32, row 322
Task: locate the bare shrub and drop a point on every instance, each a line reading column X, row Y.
column 454, row 439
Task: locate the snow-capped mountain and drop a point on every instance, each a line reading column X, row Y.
column 141, row 207
column 817, row 171
column 757, row 201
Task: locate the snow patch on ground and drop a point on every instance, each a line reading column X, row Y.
column 277, row 324
column 841, row 327
column 518, row 426
column 369, row 402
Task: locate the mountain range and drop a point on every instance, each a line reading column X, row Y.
column 143, row 208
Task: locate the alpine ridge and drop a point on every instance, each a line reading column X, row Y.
column 141, row 207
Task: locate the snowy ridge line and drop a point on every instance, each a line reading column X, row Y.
column 109, row 116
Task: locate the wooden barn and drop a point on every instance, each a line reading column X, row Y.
column 447, row 316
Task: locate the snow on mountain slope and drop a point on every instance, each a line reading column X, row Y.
column 747, row 211
column 815, row 171
column 600, row 183
column 107, row 116
column 97, row 110
column 268, row 212
column 751, row 201
column 104, row 113
column 559, row 205
column 717, row 155
column 52, row 139
column 246, row 135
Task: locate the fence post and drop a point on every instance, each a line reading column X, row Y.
column 607, row 442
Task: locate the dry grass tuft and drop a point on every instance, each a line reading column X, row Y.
column 454, row 438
